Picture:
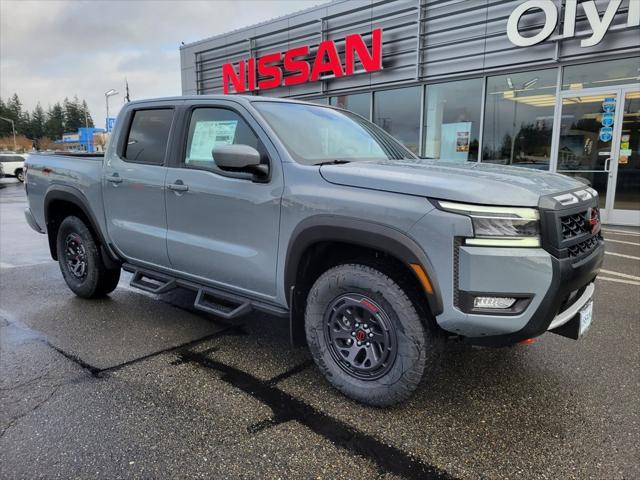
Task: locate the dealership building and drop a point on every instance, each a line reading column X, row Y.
column 544, row 84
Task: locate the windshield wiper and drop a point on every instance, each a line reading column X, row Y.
column 332, row 162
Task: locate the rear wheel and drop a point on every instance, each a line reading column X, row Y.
column 366, row 335
column 81, row 262
column 20, row 175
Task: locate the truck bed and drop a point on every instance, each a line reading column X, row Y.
column 77, row 172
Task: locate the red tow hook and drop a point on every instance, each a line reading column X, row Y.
column 527, row 341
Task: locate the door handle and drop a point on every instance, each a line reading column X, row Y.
column 115, row 178
column 178, row 187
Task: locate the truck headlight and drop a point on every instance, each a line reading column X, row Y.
column 499, row 226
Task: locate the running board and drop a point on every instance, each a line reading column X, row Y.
column 221, row 304
column 208, row 299
column 152, row 282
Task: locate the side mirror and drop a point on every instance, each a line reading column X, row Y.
column 237, row 157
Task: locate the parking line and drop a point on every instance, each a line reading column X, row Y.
column 622, row 232
column 619, row 280
column 622, row 255
column 618, row 274
column 622, row 241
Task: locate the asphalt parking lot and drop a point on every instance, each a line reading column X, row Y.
column 133, row 386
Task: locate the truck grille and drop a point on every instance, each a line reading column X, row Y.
column 572, row 232
column 581, row 248
column 575, row 225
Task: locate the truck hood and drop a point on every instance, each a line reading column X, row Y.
column 470, row 182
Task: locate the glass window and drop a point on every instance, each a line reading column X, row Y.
column 601, row 74
column 518, row 119
column 452, row 120
column 628, row 182
column 398, row 112
column 147, row 141
column 319, row 101
column 217, row 126
column 11, row 158
column 580, row 147
column 359, row 103
column 315, row 134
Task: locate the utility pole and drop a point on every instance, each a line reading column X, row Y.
column 13, row 127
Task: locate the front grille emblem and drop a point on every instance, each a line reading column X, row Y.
column 593, row 220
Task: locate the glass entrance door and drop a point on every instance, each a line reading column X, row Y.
column 626, row 175
column 597, row 141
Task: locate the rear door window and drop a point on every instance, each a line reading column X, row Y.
column 148, row 136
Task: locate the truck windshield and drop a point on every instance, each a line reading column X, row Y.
column 316, row 134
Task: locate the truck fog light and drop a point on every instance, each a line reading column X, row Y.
column 493, row 302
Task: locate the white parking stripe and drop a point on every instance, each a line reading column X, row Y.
column 622, row 232
column 619, row 280
column 622, row 255
column 618, row 274
column 622, row 241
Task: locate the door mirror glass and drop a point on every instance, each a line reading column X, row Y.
column 237, row 157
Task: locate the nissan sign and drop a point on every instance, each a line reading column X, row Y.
column 291, row 67
column 598, row 24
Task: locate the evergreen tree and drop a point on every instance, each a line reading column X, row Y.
column 5, row 127
column 25, row 125
column 73, row 118
column 54, row 125
column 14, row 112
column 38, row 122
column 86, row 114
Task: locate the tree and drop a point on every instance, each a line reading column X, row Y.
column 73, row 117
column 54, row 126
column 86, row 114
column 5, row 127
column 38, row 123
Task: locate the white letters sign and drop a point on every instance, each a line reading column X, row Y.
column 599, row 24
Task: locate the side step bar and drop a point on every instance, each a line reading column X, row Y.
column 154, row 283
column 208, row 299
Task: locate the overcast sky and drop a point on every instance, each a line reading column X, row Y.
column 50, row 49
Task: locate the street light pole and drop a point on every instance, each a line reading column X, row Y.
column 108, row 94
column 13, row 127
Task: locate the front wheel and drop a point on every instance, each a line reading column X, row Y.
column 20, row 176
column 366, row 335
column 80, row 261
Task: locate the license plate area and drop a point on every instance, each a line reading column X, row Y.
column 578, row 326
column 585, row 316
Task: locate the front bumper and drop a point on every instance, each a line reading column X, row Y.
column 571, row 288
column 570, row 312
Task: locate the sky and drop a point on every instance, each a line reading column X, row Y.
column 52, row 49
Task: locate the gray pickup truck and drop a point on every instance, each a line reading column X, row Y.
column 314, row 214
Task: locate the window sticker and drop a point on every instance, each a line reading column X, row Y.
column 208, row 134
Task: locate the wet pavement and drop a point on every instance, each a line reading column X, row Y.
column 136, row 386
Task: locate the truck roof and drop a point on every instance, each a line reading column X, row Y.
column 237, row 98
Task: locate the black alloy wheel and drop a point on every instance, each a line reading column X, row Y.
column 75, row 256
column 361, row 337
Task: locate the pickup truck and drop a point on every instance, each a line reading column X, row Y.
column 314, row 214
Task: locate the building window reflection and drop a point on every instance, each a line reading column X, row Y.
column 398, row 112
column 452, row 114
column 518, row 122
column 359, row 103
column 601, row 74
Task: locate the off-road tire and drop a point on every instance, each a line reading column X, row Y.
column 97, row 280
column 417, row 345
